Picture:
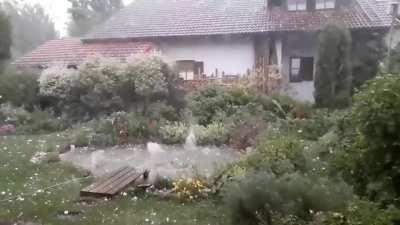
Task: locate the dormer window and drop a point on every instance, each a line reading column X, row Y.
column 297, row 5
column 325, row 4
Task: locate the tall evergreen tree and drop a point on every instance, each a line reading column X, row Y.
column 85, row 14
column 5, row 39
column 333, row 79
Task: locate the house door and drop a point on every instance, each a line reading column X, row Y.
column 301, row 69
column 307, row 68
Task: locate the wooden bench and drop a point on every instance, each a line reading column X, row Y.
column 113, row 183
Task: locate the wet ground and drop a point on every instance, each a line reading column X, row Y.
column 167, row 161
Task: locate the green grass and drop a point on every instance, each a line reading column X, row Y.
column 20, row 198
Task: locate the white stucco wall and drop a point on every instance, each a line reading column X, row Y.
column 233, row 55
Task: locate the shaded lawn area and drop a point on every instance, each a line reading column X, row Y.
column 23, row 196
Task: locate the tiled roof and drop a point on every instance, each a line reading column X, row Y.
column 162, row 18
column 363, row 14
column 72, row 51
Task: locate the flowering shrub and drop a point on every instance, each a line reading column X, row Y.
column 174, row 133
column 58, row 82
column 148, row 77
column 190, row 189
column 104, row 85
column 100, row 74
column 147, row 74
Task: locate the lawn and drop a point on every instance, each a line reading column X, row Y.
column 24, row 195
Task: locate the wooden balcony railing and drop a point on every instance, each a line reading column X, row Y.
column 266, row 81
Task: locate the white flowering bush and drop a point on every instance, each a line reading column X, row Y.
column 103, row 85
column 174, row 133
column 58, row 81
column 146, row 71
column 101, row 74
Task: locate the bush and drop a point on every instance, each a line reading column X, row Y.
column 31, row 122
column 316, row 125
column 58, row 82
column 213, row 134
column 139, row 126
column 148, row 77
column 205, row 103
column 20, row 89
column 102, row 140
column 278, row 153
column 217, row 104
column 376, row 111
column 17, row 116
column 80, row 136
column 44, row 121
column 244, row 133
column 375, row 115
column 255, row 200
column 102, row 86
column 160, row 110
column 361, row 212
column 174, row 133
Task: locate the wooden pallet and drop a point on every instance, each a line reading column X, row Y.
column 112, row 184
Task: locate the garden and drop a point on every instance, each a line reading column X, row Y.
column 216, row 155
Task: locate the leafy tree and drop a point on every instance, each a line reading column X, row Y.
column 87, row 13
column 5, row 38
column 148, row 77
column 31, row 26
column 368, row 51
column 333, row 75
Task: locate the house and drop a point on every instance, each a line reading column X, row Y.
column 217, row 38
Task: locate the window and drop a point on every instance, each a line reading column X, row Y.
column 301, row 69
column 297, row 5
column 190, row 69
column 295, row 69
column 325, row 4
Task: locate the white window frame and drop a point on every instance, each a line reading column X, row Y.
column 325, row 4
column 297, row 5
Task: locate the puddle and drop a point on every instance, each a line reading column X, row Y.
column 162, row 160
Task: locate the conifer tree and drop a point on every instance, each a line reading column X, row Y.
column 5, row 39
column 333, row 78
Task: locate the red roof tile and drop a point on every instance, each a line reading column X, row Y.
column 72, row 51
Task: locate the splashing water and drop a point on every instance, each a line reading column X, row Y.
column 182, row 161
column 190, row 142
column 154, row 148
